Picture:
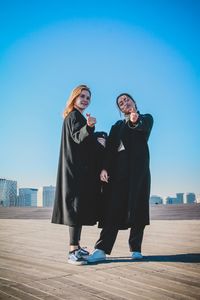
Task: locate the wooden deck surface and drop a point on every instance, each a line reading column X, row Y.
column 157, row 212
column 33, row 262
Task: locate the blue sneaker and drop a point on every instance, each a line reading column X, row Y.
column 136, row 255
column 75, row 258
column 97, row 255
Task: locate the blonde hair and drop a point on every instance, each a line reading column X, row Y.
column 74, row 94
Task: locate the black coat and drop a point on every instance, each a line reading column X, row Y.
column 77, row 187
column 126, row 196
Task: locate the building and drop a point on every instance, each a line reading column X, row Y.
column 179, row 198
column 190, row 198
column 154, row 199
column 198, row 198
column 8, row 192
column 27, row 197
column 171, row 200
column 48, row 195
column 39, row 197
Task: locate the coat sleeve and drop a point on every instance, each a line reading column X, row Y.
column 100, row 156
column 109, row 151
column 79, row 130
column 144, row 123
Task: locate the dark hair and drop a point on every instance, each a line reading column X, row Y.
column 125, row 94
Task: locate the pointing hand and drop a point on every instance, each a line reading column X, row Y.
column 91, row 121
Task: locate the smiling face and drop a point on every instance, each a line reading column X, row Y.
column 83, row 100
column 126, row 104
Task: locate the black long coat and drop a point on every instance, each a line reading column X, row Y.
column 126, row 196
column 77, row 187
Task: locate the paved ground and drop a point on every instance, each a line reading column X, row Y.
column 158, row 212
column 33, row 262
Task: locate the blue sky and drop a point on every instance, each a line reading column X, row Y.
column 149, row 49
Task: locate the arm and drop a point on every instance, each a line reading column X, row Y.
column 144, row 123
column 78, row 128
column 99, row 140
column 109, row 151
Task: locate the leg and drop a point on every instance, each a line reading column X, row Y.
column 135, row 238
column 74, row 237
column 74, row 256
column 107, row 239
column 79, row 235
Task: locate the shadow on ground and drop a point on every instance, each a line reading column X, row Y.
column 184, row 258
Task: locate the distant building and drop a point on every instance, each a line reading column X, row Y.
column 27, row 197
column 39, row 197
column 198, row 198
column 179, row 198
column 48, row 195
column 171, row 200
column 8, row 192
column 154, row 199
column 190, row 198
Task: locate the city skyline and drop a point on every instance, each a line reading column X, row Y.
column 145, row 48
column 43, row 196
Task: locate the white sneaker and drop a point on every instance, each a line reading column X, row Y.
column 136, row 255
column 97, row 255
column 83, row 252
column 75, row 258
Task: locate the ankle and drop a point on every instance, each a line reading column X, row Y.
column 73, row 248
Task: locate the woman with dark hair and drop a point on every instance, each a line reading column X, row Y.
column 127, row 180
column 77, row 187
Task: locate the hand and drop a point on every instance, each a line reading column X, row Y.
column 104, row 176
column 90, row 120
column 133, row 115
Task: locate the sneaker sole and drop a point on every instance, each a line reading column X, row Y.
column 77, row 263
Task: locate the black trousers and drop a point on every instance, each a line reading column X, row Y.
column 74, row 235
column 108, row 236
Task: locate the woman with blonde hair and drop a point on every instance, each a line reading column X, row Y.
column 77, row 186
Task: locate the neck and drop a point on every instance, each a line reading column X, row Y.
column 126, row 117
column 79, row 109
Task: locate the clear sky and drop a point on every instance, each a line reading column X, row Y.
column 150, row 49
